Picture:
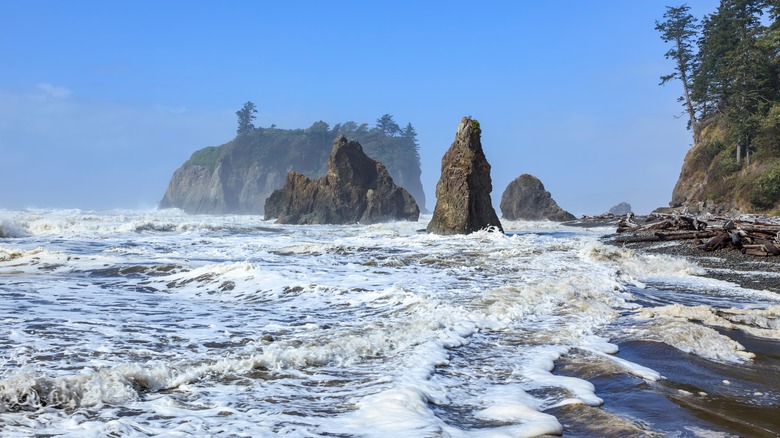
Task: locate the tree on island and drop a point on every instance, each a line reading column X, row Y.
column 245, row 117
column 410, row 134
column 387, row 125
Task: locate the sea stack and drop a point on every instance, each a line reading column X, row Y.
column 463, row 202
column 357, row 189
column 621, row 209
column 526, row 199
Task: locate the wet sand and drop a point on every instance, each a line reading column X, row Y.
column 735, row 399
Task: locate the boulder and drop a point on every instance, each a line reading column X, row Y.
column 356, row 189
column 621, row 209
column 526, row 199
column 463, row 203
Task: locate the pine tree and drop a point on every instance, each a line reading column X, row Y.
column 680, row 28
column 387, row 125
column 733, row 75
column 245, row 117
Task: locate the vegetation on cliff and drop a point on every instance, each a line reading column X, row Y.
column 248, row 168
column 729, row 66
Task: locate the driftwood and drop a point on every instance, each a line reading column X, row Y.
column 751, row 238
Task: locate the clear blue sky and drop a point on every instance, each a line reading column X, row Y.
column 100, row 101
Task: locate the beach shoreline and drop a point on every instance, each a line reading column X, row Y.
column 752, row 272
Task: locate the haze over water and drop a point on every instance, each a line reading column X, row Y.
column 131, row 323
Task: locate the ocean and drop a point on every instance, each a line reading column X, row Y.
column 158, row 323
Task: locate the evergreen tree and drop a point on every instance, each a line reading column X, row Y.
column 387, row 125
column 410, row 134
column 245, row 117
column 680, row 28
column 733, row 74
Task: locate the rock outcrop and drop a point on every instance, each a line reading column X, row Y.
column 713, row 182
column 526, row 199
column 463, row 203
column 355, row 189
column 621, row 209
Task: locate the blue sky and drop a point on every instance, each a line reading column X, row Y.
column 101, row 101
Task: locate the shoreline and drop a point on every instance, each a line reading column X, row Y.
column 750, row 272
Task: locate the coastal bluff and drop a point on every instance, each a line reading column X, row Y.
column 526, row 199
column 356, row 189
column 463, row 203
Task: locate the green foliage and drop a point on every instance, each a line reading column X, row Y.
column 713, row 147
column 475, row 127
column 206, row 157
column 727, row 164
column 765, row 193
column 732, row 71
column 767, row 140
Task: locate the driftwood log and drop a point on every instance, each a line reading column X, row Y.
column 757, row 238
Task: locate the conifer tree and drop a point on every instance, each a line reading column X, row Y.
column 245, row 117
column 680, row 28
column 387, row 125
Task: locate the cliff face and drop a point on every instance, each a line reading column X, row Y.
column 228, row 189
column 712, row 181
column 240, row 175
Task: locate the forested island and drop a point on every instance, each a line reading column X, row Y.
column 238, row 176
column 728, row 63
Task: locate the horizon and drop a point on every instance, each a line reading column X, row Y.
column 101, row 103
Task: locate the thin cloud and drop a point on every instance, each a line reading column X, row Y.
column 54, row 91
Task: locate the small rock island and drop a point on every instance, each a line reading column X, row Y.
column 526, row 199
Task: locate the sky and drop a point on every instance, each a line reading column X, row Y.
column 101, row 101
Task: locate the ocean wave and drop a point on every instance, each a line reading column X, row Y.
column 9, row 228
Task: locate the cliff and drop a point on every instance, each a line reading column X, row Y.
column 238, row 176
column 712, row 181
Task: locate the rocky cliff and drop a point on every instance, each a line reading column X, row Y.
column 712, row 181
column 238, row 176
column 355, row 189
column 525, row 198
column 463, row 203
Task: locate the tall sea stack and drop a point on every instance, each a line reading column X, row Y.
column 463, row 203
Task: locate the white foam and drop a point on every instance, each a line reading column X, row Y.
column 229, row 324
column 633, row 266
column 511, row 403
column 539, row 370
column 692, row 338
column 758, row 322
